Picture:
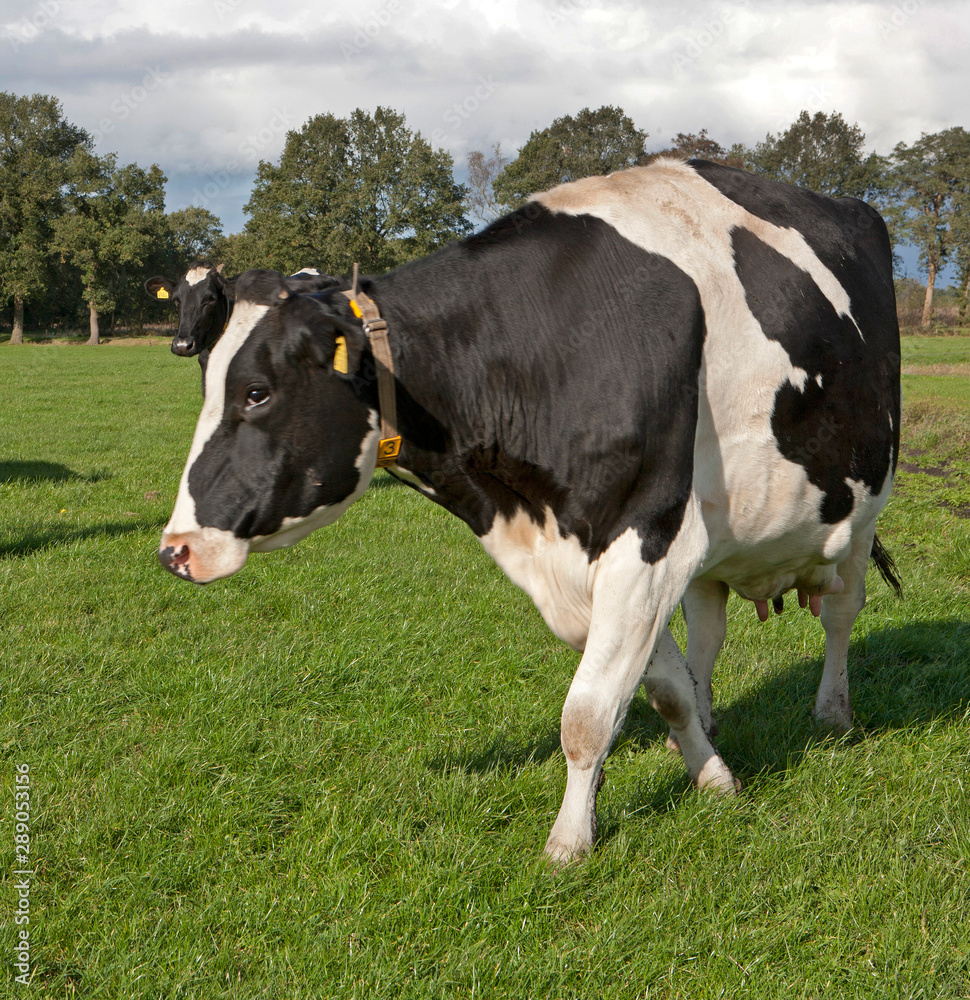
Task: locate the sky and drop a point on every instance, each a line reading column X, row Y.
column 208, row 88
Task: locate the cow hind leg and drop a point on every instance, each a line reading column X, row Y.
column 705, row 610
column 833, row 706
column 672, row 692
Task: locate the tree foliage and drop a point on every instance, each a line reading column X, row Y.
column 36, row 146
column 363, row 189
column 930, row 181
column 823, row 153
column 195, row 233
column 78, row 233
column 481, row 199
column 689, row 146
column 591, row 143
column 114, row 217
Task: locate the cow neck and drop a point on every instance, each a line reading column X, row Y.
column 375, row 329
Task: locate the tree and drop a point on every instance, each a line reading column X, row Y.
column 931, row 182
column 482, row 171
column 115, row 217
column 237, row 251
column 688, row 146
column 36, row 145
column 195, row 233
column 361, row 189
column 823, row 153
column 592, row 143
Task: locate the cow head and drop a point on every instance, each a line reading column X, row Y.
column 203, row 304
column 286, row 440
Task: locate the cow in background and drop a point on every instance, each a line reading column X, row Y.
column 204, row 300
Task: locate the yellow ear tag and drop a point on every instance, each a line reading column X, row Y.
column 340, row 356
column 356, row 309
column 161, row 294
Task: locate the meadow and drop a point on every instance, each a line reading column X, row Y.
column 333, row 774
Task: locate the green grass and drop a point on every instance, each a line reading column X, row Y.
column 332, row 775
column 935, row 350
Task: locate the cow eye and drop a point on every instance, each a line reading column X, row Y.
column 256, row 395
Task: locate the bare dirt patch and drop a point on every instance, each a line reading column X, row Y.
column 937, row 369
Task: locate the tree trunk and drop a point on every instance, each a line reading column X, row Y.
column 93, row 339
column 928, row 301
column 17, row 334
column 965, row 298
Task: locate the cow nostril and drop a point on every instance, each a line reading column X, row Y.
column 176, row 560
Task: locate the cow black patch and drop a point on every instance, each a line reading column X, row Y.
column 848, row 236
column 837, row 425
column 563, row 361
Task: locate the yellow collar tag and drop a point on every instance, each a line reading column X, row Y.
column 340, row 355
column 161, row 294
column 356, row 309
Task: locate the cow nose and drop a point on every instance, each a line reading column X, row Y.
column 175, row 558
column 183, row 348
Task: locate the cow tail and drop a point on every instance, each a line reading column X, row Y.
column 886, row 565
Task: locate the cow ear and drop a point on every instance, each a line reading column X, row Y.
column 338, row 345
column 220, row 267
column 348, row 348
column 159, row 287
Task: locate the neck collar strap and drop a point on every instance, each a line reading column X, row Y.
column 375, row 329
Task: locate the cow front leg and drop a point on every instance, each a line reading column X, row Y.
column 593, row 715
column 621, row 639
column 833, row 706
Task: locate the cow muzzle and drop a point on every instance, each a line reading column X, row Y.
column 184, row 348
column 204, row 555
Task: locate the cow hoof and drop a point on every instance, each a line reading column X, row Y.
column 559, row 854
column 716, row 777
column 837, row 718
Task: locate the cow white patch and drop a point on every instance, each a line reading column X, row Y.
column 407, row 476
column 197, row 275
column 306, row 270
column 554, row 571
column 244, row 318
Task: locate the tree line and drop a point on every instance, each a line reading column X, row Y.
column 80, row 232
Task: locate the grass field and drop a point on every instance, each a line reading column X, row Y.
column 332, row 775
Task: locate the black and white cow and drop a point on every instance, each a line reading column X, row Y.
column 204, row 299
column 637, row 390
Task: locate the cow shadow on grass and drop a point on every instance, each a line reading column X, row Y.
column 45, row 472
column 36, row 541
column 899, row 678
